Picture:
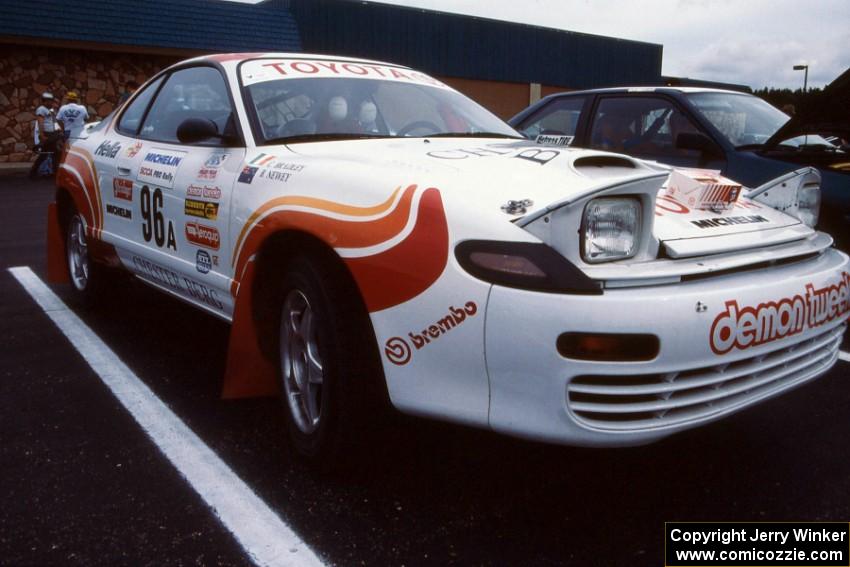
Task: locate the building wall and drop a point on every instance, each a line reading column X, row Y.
column 99, row 77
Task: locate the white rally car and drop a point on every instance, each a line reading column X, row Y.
column 372, row 234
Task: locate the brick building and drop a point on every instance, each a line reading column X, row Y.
column 99, row 46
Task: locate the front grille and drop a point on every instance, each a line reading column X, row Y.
column 647, row 401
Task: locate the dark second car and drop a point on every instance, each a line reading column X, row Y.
column 741, row 135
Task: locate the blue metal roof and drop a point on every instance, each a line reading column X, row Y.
column 477, row 48
column 197, row 25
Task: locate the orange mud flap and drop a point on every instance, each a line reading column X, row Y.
column 57, row 260
column 248, row 374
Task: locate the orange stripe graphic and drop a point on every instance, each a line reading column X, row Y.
column 321, row 204
column 386, row 278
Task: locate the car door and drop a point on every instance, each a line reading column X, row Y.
column 182, row 191
column 117, row 156
column 557, row 122
column 646, row 127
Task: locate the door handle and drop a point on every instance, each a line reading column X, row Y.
column 124, row 171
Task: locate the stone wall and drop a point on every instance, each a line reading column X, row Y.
column 99, row 77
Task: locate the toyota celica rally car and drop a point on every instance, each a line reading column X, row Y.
column 374, row 236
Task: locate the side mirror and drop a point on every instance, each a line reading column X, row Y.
column 194, row 130
column 698, row 142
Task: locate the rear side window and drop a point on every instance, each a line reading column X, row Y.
column 558, row 118
column 132, row 117
column 197, row 92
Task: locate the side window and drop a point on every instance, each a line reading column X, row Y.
column 641, row 125
column 132, row 117
column 197, row 92
column 558, row 118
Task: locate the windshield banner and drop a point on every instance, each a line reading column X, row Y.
column 261, row 70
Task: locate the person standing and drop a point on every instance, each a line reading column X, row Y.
column 73, row 116
column 130, row 88
column 47, row 131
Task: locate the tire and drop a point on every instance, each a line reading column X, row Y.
column 328, row 366
column 85, row 275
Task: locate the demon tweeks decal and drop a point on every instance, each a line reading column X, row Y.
column 742, row 327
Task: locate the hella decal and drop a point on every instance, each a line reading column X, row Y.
column 202, row 235
column 740, row 327
column 108, row 149
column 398, row 350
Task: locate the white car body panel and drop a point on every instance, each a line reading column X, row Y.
column 461, row 348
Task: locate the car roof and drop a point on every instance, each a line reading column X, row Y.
column 220, row 57
column 659, row 88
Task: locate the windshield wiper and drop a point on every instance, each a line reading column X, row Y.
column 320, row 138
column 472, row 135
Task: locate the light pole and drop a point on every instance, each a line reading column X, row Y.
column 805, row 77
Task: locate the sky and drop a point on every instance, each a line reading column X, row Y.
column 751, row 42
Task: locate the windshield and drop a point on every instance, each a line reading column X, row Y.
column 331, row 107
column 746, row 120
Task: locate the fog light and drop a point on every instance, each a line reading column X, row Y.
column 608, row 347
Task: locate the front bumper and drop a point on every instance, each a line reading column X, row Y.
column 697, row 377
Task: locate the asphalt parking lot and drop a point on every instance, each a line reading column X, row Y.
column 82, row 484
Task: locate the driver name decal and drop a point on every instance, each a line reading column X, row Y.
column 742, row 327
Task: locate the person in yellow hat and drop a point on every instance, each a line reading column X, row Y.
column 72, row 115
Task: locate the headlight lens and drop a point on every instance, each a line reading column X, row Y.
column 611, row 229
column 808, row 204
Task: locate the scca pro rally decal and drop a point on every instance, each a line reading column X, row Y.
column 159, row 167
column 398, row 350
column 744, row 327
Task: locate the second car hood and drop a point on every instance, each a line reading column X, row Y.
column 829, row 112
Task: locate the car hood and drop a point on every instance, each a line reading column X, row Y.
column 828, row 112
column 489, row 174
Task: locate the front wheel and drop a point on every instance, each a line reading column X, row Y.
column 328, row 364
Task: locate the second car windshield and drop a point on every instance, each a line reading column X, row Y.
column 313, row 108
column 742, row 119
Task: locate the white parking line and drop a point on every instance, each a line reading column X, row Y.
column 262, row 534
column 845, row 356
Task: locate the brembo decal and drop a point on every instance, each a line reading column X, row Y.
column 398, row 350
column 740, row 327
column 395, row 250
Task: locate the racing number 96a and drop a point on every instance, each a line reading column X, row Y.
column 153, row 221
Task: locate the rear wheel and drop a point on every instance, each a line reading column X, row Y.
column 77, row 248
column 87, row 277
column 328, row 364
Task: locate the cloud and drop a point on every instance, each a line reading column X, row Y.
column 754, row 42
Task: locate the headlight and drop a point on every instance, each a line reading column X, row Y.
column 611, row 229
column 808, row 203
